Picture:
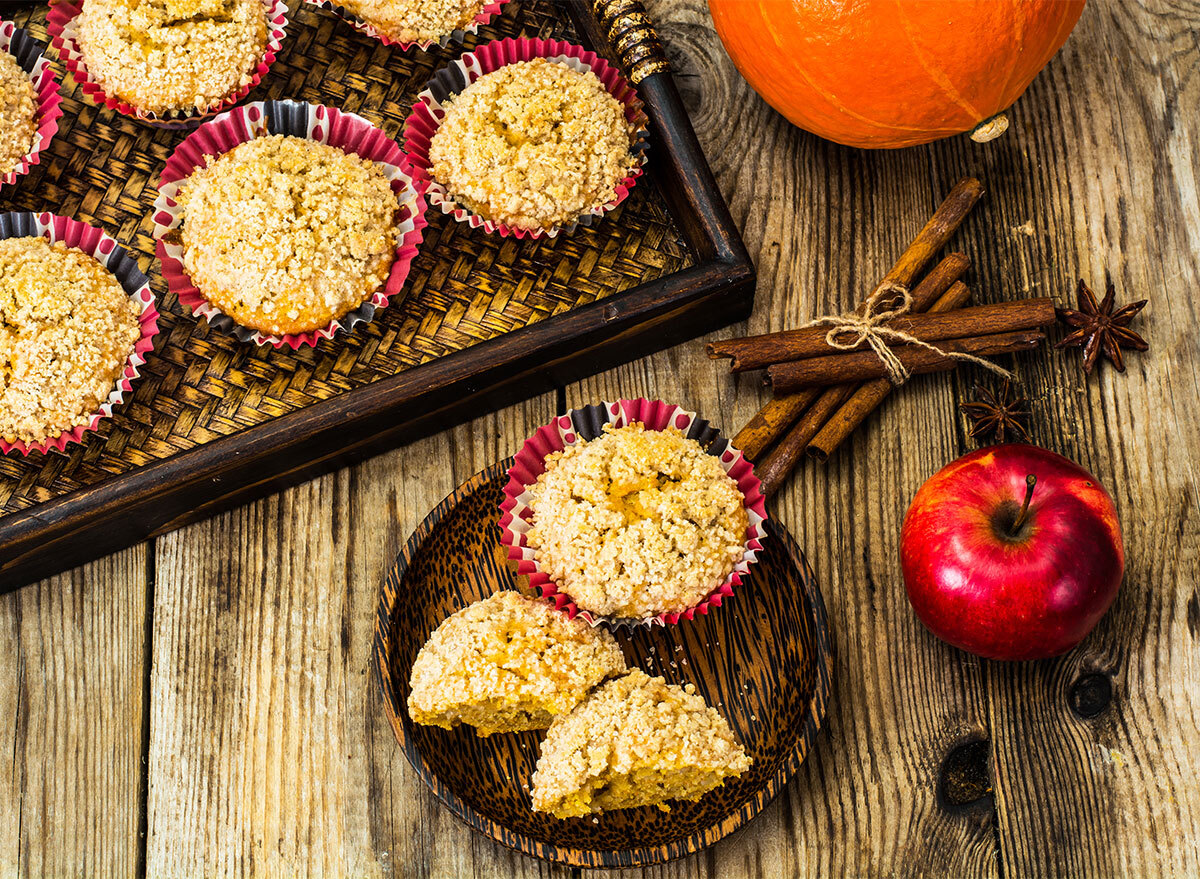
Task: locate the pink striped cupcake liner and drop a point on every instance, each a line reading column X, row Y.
column 315, row 122
column 490, row 11
column 62, row 23
column 587, row 423
column 105, row 250
column 30, row 57
column 428, row 112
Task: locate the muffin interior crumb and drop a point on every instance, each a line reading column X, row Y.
column 508, row 663
column 172, row 55
column 285, row 234
column 18, row 109
column 636, row 522
column 415, row 21
column 533, row 145
column 636, row 741
column 66, row 329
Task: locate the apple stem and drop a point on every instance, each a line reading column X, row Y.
column 1030, row 482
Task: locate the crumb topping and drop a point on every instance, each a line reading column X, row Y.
column 66, row 329
column 18, row 109
column 636, row 741
column 637, row 522
column 534, row 145
column 165, row 55
column 284, row 234
column 508, row 663
column 415, row 21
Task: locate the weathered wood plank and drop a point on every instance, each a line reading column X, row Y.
column 71, row 713
column 1114, row 194
column 269, row 751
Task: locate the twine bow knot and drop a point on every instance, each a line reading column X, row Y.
column 887, row 302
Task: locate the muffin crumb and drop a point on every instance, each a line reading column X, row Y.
column 508, row 663
column 168, row 55
column 636, row 522
column 18, row 113
column 534, row 145
column 285, row 234
column 636, row 741
column 415, row 21
column 67, row 328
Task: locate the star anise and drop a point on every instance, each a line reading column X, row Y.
column 1100, row 329
column 997, row 413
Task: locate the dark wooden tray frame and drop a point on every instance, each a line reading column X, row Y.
column 160, row 497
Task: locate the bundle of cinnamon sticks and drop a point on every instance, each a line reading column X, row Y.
column 822, row 393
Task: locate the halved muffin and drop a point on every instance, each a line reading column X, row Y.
column 636, row 741
column 508, row 663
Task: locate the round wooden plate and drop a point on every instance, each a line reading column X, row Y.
column 764, row 660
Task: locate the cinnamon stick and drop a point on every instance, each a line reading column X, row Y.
column 857, row 366
column 755, row 352
column 775, row 467
column 867, row 398
column 944, row 222
column 772, row 420
column 779, row 413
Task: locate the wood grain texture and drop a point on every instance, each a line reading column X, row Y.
column 1096, row 177
column 71, row 716
column 270, row 754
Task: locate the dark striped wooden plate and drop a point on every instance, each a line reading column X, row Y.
column 764, row 659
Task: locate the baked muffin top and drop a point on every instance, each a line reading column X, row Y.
column 66, row 329
column 534, row 145
column 636, row 522
column 284, row 234
column 508, row 663
column 18, row 113
column 636, row 741
column 172, row 55
column 415, row 21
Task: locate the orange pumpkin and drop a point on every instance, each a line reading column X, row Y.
column 893, row 73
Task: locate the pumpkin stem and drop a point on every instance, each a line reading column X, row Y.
column 990, row 129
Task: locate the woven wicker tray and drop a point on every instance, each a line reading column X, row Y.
column 484, row 321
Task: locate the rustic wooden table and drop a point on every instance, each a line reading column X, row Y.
column 201, row 704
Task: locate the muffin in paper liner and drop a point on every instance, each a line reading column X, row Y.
column 587, row 423
column 427, row 115
column 62, row 23
column 30, row 57
column 489, row 11
column 316, row 122
column 105, row 250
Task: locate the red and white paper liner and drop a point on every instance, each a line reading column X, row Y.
column 30, row 57
column 428, row 112
column 489, row 11
column 62, row 23
column 581, row 425
column 315, row 122
column 105, row 250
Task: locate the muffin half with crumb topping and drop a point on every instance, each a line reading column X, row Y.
column 636, row 741
column 508, row 663
column 285, row 234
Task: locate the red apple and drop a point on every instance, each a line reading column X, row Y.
column 1012, row 552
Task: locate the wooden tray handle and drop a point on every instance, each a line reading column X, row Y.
column 632, row 35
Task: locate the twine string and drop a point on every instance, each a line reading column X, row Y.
column 887, row 302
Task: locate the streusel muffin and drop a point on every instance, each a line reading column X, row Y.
column 533, row 145
column 66, row 329
column 18, row 113
column 172, row 55
column 636, row 522
column 508, row 663
column 415, row 21
column 636, row 741
column 284, row 234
